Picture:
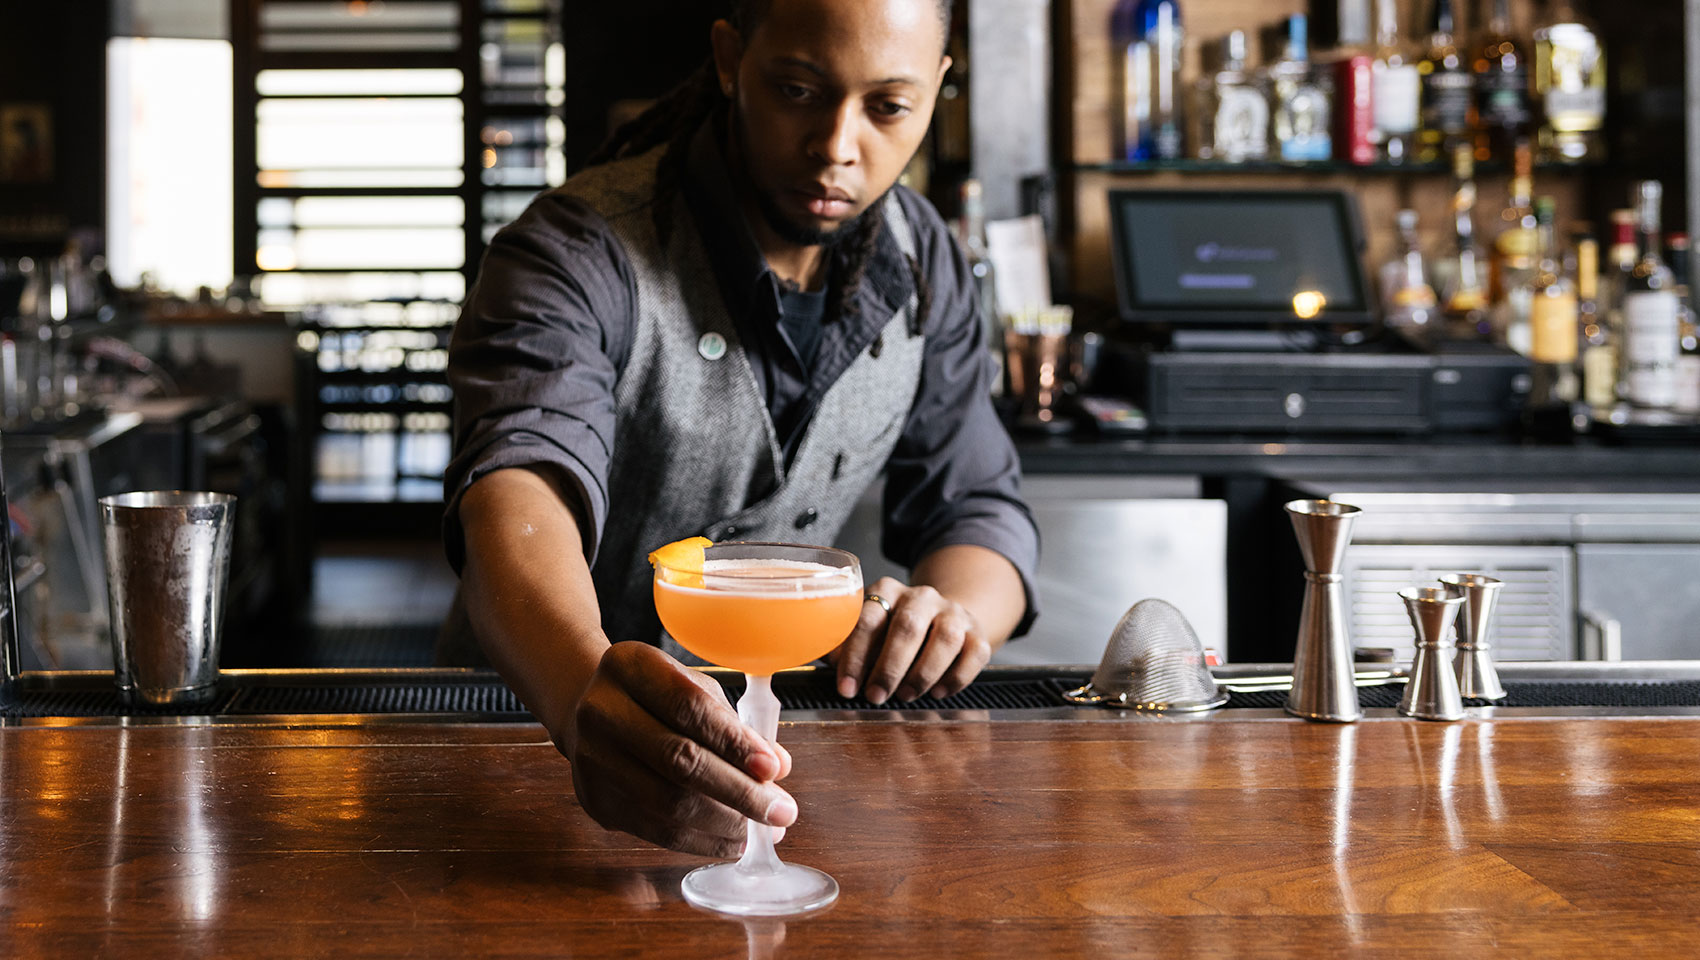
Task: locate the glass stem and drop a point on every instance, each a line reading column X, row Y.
column 759, row 709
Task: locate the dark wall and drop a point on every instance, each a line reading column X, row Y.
column 628, row 50
column 54, row 54
column 1646, row 124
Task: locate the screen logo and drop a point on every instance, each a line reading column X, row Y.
column 1214, row 252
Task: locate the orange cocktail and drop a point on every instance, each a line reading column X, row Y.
column 761, row 616
column 759, row 608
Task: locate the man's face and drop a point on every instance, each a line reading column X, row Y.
column 832, row 99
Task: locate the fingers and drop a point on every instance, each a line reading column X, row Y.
column 975, row 654
column 906, row 630
column 681, row 699
column 856, row 653
column 660, row 756
column 950, row 628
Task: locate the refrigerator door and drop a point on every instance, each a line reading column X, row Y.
column 1638, row 601
column 1106, row 542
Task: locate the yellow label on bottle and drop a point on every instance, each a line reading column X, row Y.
column 1552, row 329
column 1599, row 376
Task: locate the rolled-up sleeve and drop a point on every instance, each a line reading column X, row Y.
column 534, row 358
column 954, row 477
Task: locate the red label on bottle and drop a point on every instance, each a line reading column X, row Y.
column 1354, row 111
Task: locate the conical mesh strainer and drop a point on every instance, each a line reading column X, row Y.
column 1154, row 661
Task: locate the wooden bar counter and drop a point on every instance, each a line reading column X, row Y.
column 1243, row 836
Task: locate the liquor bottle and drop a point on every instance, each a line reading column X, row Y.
column 1554, row 315
column 1596, row 342
column 971, row 233
column 1513, row 262
column 1395, row 88
column 1298, row 103
column 1570, row 86
column 1650, row 331
column 1231, row 111
column 1460, row 271
column 1410, row 304
column 1148, row 49
column 1340, row 23
column 1448, row 89
column 1688, row 335
column 1502, row 87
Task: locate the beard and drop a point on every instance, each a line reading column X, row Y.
column 783, row 226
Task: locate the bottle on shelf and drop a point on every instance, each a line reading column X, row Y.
column 1395, row 88
column 1596, row 343
column 1448, row 89
column 1460, row 270
column 1298, row 101
column 1231, row 111
column 1688, row 335
column 1350, row 63
column 1650, row 322
column 1148, row 47
column 971, row 233
column 1554, row 317
column 1410, row 306
column 1513, row 261
column 1569, row 86
column 1501, row 67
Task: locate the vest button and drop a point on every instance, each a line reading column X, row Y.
column 728, row 533
column 807, row 517
column 879, row 346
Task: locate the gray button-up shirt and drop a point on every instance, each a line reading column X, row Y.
column 547, row 327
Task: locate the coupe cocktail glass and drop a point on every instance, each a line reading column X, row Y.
column 760, row 608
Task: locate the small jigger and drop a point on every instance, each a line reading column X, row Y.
column 1473, row 662
column 1432, row 693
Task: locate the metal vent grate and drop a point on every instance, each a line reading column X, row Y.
column 1531, row 621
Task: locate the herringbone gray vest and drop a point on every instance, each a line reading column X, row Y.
column 695, row 450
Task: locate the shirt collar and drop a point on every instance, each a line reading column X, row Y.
column 745, row 279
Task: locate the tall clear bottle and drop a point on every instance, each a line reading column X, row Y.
column 1553, row 318
column 1595, row 341
column 1570, row 86
column 1231, row 111
column 1410, row 306
column 1395, row 88
column 1513, row 263
column 1448, row 89
column 1148, row 46
column 1501, row 67
column 971, row 233
column 1688, row 332
column 1298, row 101
column 1650, row 323
column 1460, row 270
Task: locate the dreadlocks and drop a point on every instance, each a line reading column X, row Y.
column 674, row 119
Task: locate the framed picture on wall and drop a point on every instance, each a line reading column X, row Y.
column 26, row 143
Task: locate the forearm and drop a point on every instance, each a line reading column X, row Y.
column 983, row 581
column 529, row 594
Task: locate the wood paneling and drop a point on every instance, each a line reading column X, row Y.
column 1226, row 836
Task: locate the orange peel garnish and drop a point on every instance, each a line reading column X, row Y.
column 681, row 561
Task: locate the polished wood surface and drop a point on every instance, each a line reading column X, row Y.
column 1246, row 837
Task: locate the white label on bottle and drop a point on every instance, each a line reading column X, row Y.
column 1650, row 334
column 1396, row 92
column 1576, row 110
column 1688, row 383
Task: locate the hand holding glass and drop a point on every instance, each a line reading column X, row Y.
column 760, row 608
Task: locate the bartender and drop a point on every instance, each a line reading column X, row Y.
column 731, row 324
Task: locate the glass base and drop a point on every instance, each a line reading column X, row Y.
column 729, row 888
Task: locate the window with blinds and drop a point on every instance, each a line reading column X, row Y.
column 390, row 140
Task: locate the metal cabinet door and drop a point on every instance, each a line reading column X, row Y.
column 1649, row 591
column 1106, row 542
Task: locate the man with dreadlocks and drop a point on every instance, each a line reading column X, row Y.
column 730, row 325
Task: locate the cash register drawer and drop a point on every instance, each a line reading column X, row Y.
column 1290, row 392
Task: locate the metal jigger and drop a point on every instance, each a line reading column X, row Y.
column 1323, row 681
column 1432, row 693
column 1473, row 663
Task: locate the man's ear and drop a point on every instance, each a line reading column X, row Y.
column 728, row 47
column 944, row 67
